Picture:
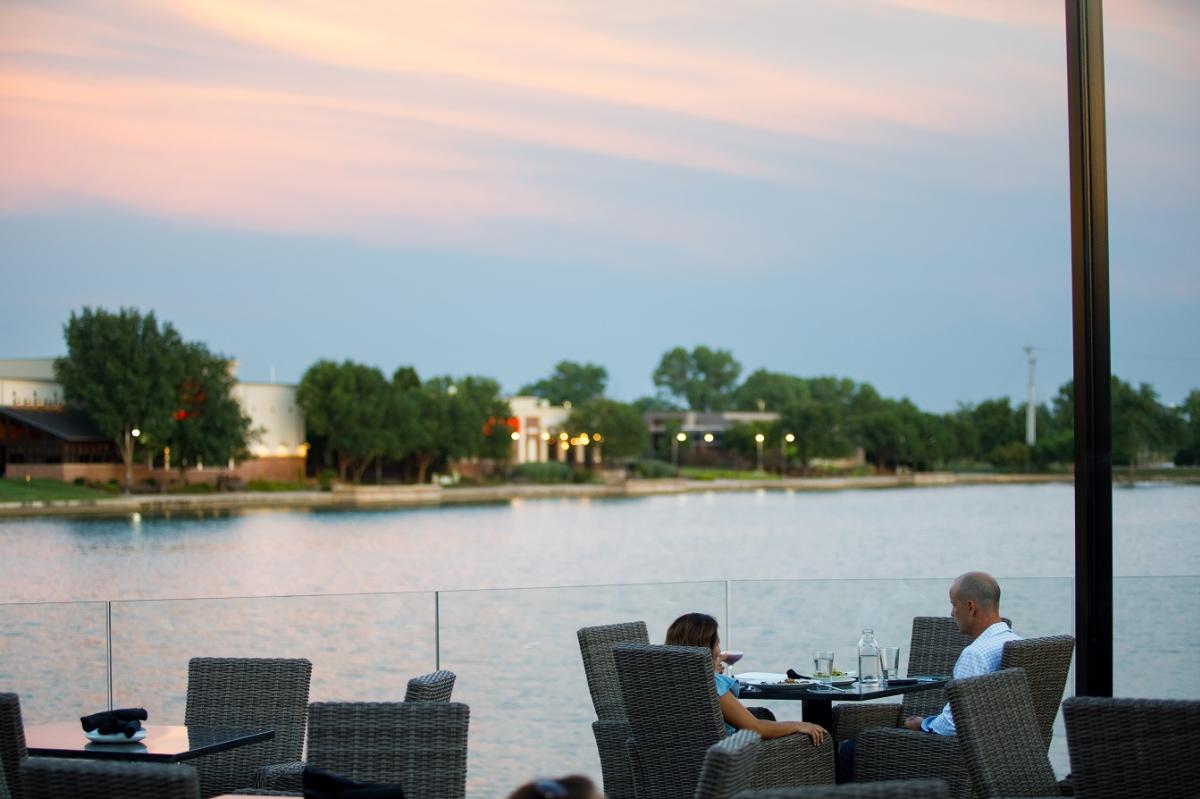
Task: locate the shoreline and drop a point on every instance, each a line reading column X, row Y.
column 379, row 497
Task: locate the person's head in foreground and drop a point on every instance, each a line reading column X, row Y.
column 696, row 629
column 575, row 786
column 975, row 602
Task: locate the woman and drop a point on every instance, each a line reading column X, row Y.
column 700, row 629
column 576, row 786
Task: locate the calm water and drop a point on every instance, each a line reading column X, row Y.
column 804, row 571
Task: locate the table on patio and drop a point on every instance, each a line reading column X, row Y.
column 164, row 743
column 818, row 698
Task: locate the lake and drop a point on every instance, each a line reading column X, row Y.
column 496, row 592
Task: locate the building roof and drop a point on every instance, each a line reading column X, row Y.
column 64, row 424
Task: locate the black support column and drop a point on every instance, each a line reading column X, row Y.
column 1093, row 368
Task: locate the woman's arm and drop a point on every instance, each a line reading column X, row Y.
column 737, row 716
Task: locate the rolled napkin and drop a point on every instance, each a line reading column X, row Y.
column 127, row 721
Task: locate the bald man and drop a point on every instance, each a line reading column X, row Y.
column 975, row 607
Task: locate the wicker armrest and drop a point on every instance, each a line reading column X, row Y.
column 900, row 754
column 264, row 792
column 280, row 777
column 793, row 760
column 849, row 719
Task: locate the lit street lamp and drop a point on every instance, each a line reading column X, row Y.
column 675, row 442
column 787, row 439
column 759, row 438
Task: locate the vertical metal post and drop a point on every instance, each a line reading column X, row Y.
column 728, row 620
column 108, row 638
column 1093, row 369
column 437, row 631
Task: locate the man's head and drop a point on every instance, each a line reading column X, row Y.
column 975, row 603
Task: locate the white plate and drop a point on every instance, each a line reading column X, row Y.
column 116, row 737
column 760, row 678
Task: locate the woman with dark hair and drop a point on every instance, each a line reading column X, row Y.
column 700, row 629
column 576, row 786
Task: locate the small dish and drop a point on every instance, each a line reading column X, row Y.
column 115, row 737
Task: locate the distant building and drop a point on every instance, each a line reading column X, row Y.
column 40, row 438
column 698, row 424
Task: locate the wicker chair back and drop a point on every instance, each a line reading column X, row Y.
column 1133, row 747
column 999, row 735
column 433, row 687
column 421, row 746
column 252, row 693
column 12, row 745
column 728, row 766
column 55, row 778
column 1046, row 662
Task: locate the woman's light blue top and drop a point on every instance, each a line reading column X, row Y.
column 724, row 685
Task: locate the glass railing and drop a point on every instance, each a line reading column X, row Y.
column 515, row 650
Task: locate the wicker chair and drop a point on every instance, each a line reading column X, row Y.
column 1133, row 747
column 999, row 734
column 420, row 745
column 433, row 687
column 883, row 754
column 248, row 693
column 895, row 789
column 12, row 746
column 674, row 716
column 934, row 649
column 611, row 728
column 55, row 778
column 728, row 766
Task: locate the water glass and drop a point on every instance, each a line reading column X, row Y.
column 889, row 663
column 823, row 666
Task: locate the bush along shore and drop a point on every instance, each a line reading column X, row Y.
column 46, row 497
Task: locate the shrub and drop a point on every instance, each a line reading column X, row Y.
column 275, row 485
column 551, row 472
column 325, row 479
column 79, row 481
column 651, row 469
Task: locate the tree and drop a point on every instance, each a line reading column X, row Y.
column 1188, row 453
column 460, row 419
column 773, row 390
column 208, row 425
column 704, row 377
column 350, row 406
column 570, row 382
column 617, row 427
column 123, row 371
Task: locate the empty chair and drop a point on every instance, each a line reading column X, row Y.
column 57, row 778
column 611, row 728
column 884, row 754
column 247, row 693
column 728, row 766
column 1000, row 736
column 1133, row 747
column 421, row 746
column 674, row 717
column 433, row 687
column 12, row 746
column 895, row 789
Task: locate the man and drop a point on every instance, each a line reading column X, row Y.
column 975, row 608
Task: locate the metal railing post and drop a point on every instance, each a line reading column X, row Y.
column 108, row 638
column 728, row 619
column 437, row 630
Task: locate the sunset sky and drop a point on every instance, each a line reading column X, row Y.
column 875, row 189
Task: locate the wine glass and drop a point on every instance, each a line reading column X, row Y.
column 729, row 658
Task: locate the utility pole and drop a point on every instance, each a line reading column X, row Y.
column 1031, row 404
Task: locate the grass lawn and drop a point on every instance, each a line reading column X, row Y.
column 702, row 473
column 21, row 491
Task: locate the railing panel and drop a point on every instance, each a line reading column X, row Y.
column 55, row 656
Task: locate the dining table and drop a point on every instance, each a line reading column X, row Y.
column 818, row 697
column 163, row 743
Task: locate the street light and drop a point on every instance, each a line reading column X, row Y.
column 675, row 442
column 787, row 439
column 759, row 438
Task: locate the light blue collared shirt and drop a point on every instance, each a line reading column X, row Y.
column 982, row 656
column 726, row 684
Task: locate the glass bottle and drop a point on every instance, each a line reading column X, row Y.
column 868, row 658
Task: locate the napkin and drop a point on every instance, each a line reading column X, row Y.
column 126, row 720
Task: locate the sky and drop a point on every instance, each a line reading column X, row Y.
column 875, row 190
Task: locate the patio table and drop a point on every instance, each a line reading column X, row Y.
column 164, row 743
column 818, row 699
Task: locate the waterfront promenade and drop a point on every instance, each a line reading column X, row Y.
column 350, row 496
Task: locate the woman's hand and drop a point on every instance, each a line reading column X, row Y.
column 814, row 731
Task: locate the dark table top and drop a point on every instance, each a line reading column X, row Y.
column 847, row 693
column 164, row 743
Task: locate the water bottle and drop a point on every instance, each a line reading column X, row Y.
column 868, row 658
